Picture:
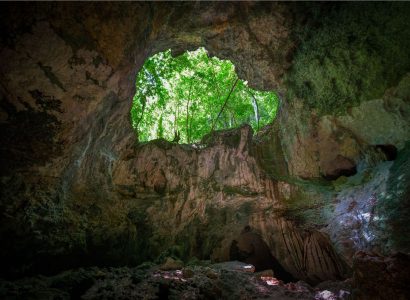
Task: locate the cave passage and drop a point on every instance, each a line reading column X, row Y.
column 250, row 248
column 390, row 151
column 183, row 98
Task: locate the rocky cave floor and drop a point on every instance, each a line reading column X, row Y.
column 171, row 280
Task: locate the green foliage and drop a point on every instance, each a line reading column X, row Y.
column 186, row 94
column 349, row 53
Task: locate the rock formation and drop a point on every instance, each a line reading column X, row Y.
column 326, row 179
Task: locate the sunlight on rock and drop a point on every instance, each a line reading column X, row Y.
column 325, row 295
column 249, row 268
column 171, row 275
column 270, row 280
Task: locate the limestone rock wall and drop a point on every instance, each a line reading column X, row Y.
column 67, row 81
column 354, row 152
column 201, row 199
column 77, row 188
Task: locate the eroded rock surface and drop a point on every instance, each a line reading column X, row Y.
column 200, row 200
column 381, row 277
column 77, row 189
column 148, row 282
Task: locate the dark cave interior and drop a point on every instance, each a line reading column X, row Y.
column 314, row 205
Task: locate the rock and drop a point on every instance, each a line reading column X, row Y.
column 100, row 274
column 235, row 266
column 381, row 277
column 171, row 264
column 304, row 285
column 68, row 140
column 269, row 280
column 250, row 248
column 75, row 183
column 336, row 289
column 376, row 122
column 265, row 273
column 122, row 283
column 187, row 272
column 212, row 274
column 325, row 295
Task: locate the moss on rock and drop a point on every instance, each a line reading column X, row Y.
column 348, row 54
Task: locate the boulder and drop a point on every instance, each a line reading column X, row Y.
column 381, row 277
column 171, row 264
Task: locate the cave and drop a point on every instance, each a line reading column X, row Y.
column 250, row 248
column 390, row 151
column 313, row 205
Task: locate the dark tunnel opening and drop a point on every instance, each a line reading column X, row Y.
column 390, row 151
column 250, row 248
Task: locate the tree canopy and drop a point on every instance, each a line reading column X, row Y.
column 183, row 98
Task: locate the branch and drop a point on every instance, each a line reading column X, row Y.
column 226, row 101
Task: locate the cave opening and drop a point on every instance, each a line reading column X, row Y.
column 390, row 151
column 88, row 212
column 183, row 98
column 249, row 247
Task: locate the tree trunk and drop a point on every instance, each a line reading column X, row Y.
column 226, row 101
column 187, row 112
column 144, row 104
column 255, row 108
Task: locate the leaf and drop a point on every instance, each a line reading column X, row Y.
column 186, row 94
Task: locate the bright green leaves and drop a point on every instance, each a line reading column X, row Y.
column 183, row 98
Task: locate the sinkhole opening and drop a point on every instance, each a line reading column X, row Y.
column 183, row 98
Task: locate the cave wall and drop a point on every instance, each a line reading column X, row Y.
column 77, row 189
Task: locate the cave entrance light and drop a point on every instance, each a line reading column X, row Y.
column 183, row 98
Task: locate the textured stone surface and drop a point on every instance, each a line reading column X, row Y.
column 152, row 283
column 330, row 146
column 220, row 190
column 66, row 91
column 378, row 277
column 76, row 188
column 171, row 264
column 382, row 121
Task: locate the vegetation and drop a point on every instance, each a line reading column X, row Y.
column 183, row 98
column 355, row 52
